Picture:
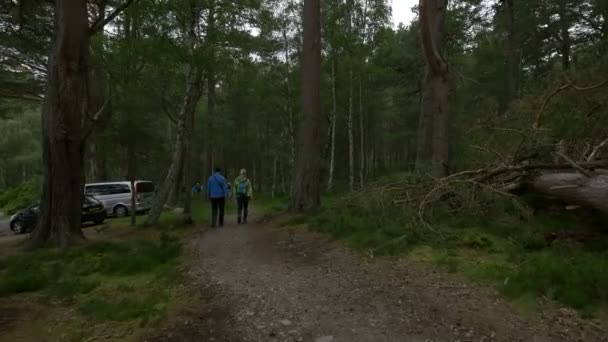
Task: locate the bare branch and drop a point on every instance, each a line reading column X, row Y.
column 569, row 85
column 95, row 119
column 597, row 149
column 574, row 164
column 99, row 24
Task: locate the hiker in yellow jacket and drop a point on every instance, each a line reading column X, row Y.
column 244, row 192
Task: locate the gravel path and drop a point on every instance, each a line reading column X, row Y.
column 264, row 283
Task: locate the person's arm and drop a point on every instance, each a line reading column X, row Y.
column 249, row 189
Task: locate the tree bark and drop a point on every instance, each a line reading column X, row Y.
column 351, row 140
column 193, row 94
column 434, row 121
column 306, row 186
column 288, row 105
column 332, row 134
column 187, row 165
column 173, row 198
column 133, row 202
column 62, row 129
column 575, row 188
column 361, row 136
column 512, row 57
column 566, row 41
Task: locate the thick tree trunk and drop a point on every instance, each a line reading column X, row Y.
column 575, row 188
column 332, row 133
column 351, row 139
column 62, row 129
column 193, row 93
column 434, row 120
column 306, row 186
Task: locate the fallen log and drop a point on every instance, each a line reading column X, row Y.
column 574, row 187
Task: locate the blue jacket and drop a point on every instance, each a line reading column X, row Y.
column 216, row 186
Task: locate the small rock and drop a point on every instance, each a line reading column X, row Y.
column 327, row 338
column 285, row 322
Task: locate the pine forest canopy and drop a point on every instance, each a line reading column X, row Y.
column 167, row 90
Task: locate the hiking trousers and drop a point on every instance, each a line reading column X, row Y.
column 242, row 202
column 217, row 211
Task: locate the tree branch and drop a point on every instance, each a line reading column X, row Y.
column 95, row 119
column 99, row 24
column 597, row 149
column 570, row 84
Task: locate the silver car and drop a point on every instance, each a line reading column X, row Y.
column 116, row 196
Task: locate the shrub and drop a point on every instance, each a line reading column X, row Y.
column 19, row 197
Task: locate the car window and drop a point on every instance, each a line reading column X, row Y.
column 144, row 187
column 107, row 189
column 95, row 190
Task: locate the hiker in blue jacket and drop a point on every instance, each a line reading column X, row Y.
column 217, row 193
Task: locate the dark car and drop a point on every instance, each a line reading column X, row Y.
column 24, row 220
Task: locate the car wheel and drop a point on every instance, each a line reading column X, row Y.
column 17, row 227
column 121, row 211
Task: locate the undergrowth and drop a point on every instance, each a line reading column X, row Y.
column 104, row 280
column 19, row 197
column 546, row 255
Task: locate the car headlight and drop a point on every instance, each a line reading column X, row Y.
column 13, row 217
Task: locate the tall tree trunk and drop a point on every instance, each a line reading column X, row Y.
column 306, row 188
column 332, row 134
column 193, row 93
column 187, row 166
column 132, row 175
column 361, row 136
column 275, row 166
column 288, row 105
column 434, row 107
column 565, row 40
column 211, row 83
column 173, row 198
column 62, row 129
column 133, row 203
column 351, row 139
column 512, row 56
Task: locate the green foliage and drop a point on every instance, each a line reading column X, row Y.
column 88, row 276
column 19, row 197
column 575, row 279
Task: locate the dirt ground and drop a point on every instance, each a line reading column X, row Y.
column 261, row 282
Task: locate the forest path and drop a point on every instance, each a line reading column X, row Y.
column 265, row 283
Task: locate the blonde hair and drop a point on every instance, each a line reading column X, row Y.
column 243, row 172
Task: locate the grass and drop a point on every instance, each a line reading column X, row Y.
column 496, row 247
column 122, row 277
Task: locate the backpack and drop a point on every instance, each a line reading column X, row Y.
column 242, row 187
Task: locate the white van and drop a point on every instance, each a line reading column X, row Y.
column 116, row 196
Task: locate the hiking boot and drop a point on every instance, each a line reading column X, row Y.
column 239, row 220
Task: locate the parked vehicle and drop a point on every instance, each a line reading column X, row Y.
column 24, row 221
column 116, row 196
